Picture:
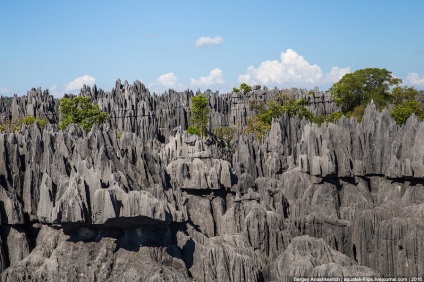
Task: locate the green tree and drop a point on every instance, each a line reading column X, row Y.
column 199, row 111
column 81, row 111
column 401, row 94
column 260, row 123
column 405, row 104
column 358, row 88
column 245, row 87
column 402, row 112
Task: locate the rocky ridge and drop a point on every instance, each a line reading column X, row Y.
column 343, row 199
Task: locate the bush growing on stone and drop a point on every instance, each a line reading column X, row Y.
column 15, row 124
column 199, row 111
column 81, row 111
column 224, row 133
column 245, row 87
column 223, row 137
column 402, row 112
column 260, row 123
column 405, row 104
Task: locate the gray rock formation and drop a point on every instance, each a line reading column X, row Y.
column 138, row 199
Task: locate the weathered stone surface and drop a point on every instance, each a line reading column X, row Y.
column 59, row 257
column 310, row 257
column 139, row 199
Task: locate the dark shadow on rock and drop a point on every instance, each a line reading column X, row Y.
column 130, row 239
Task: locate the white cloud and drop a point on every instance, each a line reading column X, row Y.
column 291, row 70
column 335, row 74
column 208, row 41
column 4, row 91
column 415, row 79
column 76, row 84
column 166, row 81
column 215, row 77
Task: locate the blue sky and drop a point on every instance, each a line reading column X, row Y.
column 60, row 45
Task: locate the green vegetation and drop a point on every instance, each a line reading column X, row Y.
column 352, row 93
column 402, row 112
column 15, row 124
column 243, row 88
column 405, row 104
column 223, row 136
column 260, row 123
column 81, row 111
column 199, row 111
column 355, row 90
column 358, row 88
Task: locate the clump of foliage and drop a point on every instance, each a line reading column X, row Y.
column 223, row 137
column 405, row 104
column 81, row 111
column 402, row 112
column 360, row 87
column 15, row 124
column 334, row 116
column 224, row 134
column 199, row 111
column 243, row 88
column 30, row 120
column 260, row 123
column 355, row 90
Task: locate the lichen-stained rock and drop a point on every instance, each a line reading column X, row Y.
column 310, row 257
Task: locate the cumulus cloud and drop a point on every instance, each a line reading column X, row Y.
column 208, row 41
column 4, row 91
column 78, row 83
column 335, row 74
column 166, row 81
column 214, row 77
column 415, row 79
column 291, row 70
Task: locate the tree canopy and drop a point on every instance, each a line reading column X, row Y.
column 260, row 123
column 358, row 88
column 81, row 111
column 199, row 111
column 243, row 87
